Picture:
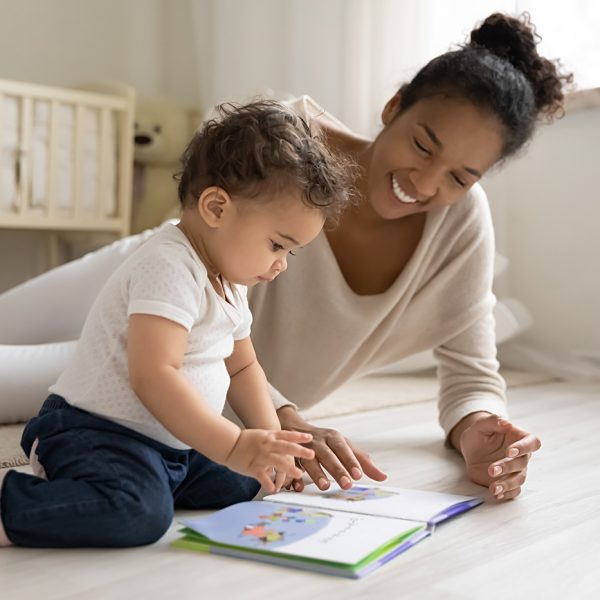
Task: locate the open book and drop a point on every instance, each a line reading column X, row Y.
column 339, row 532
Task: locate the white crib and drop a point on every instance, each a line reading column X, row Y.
column 66, row 157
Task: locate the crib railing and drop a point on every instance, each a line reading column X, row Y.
column 66, row 157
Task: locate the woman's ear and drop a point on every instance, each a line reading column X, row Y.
column 214, row 206
column 391, row 108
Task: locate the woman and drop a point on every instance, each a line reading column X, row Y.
column 408, row 268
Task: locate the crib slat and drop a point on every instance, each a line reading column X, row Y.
column 51, row 166
column 125, row 166
column 76, row 188
column 2, row 200
column 103, row 165
column 24, row 156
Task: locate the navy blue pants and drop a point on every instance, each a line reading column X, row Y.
column 107, row 485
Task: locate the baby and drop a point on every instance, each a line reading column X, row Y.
column 133, row 426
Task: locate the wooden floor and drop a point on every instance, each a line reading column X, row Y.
column 544, row 545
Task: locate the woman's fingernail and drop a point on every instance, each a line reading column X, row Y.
column 498, row 489
column 345, row 481
column 355, row 472
column 513, row 452
column 499, row 497
column 323, row 483
column 496, row 471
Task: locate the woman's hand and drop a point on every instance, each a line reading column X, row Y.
column 496, row 454
column 333, row 453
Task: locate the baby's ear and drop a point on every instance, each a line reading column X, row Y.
column 213, row 206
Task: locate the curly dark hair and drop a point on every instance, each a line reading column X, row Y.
column 500, row 71
column 257, row 149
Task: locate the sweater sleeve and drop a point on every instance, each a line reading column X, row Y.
column 279, row 400
column 467, row 365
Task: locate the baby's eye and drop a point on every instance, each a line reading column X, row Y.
column 278, row 247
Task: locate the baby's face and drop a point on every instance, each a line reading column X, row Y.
column 254, row 245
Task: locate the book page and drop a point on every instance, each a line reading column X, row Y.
column 399, row 503
column 301, row 531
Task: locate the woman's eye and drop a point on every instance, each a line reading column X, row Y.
column 292, row 253
column 421, row 147
column 458, row 180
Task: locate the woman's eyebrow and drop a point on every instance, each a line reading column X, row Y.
column 434, row 138
column 473, row 171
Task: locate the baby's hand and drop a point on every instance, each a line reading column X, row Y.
column 258, row 451
column 283, row 479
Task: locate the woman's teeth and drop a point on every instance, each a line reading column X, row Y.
column 401, row 194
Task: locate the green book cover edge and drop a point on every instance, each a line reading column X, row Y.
column 192, row 540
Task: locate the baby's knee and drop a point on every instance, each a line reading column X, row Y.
column 142, row 521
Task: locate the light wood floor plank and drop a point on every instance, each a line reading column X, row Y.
column 545, row 545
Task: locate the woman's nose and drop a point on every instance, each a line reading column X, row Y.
column 426, row 181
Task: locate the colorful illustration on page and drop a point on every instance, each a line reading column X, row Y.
column 358, row 493
column 282, row 525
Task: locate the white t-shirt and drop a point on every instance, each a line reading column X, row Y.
column 166, row 278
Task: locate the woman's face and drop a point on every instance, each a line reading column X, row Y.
column 429, row 155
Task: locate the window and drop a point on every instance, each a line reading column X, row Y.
column 570, row 31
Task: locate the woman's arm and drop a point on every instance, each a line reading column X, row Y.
column 472, row 398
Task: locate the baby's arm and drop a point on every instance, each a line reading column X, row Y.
column 248, row 393
column 249, row 396
column 155, row 350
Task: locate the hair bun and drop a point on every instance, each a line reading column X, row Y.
column 514, row 39
column 509, row 38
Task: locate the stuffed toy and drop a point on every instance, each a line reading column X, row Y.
column 162, row 131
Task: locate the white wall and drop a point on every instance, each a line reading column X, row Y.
column 546, row 204
column 546, row 208
column 245, row 48
column 64, row 42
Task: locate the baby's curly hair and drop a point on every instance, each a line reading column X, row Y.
column 261, row 148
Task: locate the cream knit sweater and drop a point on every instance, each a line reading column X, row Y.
column 312, row 333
